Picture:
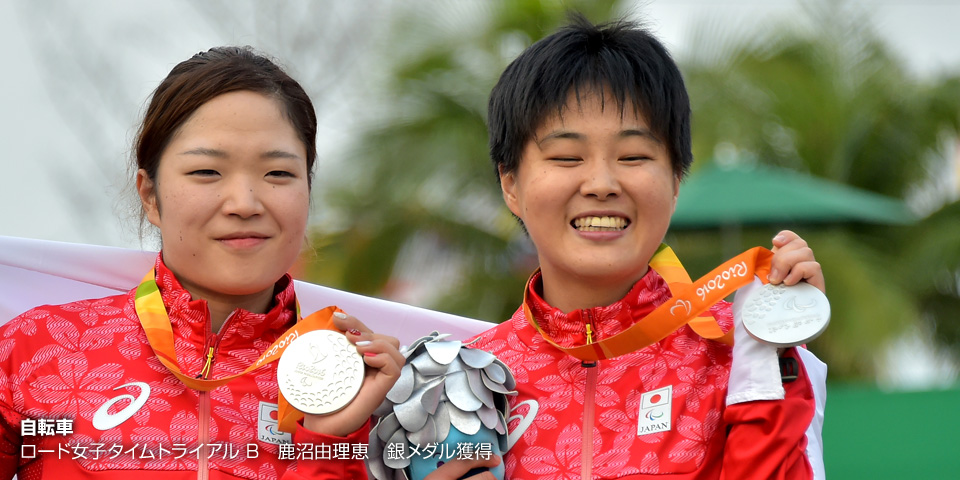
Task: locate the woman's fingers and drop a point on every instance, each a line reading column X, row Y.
column 379, row 351
column 345, row 323
column 793, row 261
column 381, row 354
column 357, row 331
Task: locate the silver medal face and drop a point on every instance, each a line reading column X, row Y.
column 320, row 372
column 786, row 316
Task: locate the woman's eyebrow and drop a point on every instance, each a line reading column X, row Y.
column 566, row 134
column 560, row 134
column 281, row 154
column 212, row 152
column 207, row 152
column 639, row 132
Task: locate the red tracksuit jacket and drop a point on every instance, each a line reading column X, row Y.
column 89, row 361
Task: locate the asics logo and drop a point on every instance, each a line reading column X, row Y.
column 103, row 420
column 525, row 421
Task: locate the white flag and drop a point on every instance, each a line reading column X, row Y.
column 41, row 272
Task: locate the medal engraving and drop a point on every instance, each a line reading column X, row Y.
column 320, row 372
column 786, row 316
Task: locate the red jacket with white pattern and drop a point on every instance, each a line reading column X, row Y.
column 585, row 418
column 72, row 361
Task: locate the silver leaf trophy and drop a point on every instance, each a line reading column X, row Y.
column 450, row 402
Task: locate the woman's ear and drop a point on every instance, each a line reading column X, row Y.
column 676, row 193
column 508, row 184
column 147, row 189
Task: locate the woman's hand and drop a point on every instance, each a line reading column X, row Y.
column 383, row 361
column 457, row 468
column 793, row 261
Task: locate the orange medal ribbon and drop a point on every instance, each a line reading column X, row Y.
column 689, row 304
column 156, row 324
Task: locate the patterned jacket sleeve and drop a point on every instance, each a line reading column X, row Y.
column 321, row 469
column 768, row 439
column 10, row 439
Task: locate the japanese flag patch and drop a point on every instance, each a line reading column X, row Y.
column 268, row 428
column 655, row 411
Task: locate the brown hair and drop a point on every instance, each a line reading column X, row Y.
column 212, row 73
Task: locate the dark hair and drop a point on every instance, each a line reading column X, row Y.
column 619, row 59
column 212, row 73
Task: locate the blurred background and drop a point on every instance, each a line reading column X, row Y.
column 839, row 120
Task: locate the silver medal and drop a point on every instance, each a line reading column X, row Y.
column 786, row 316
column 320, row 372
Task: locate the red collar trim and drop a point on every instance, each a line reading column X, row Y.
column 182, row 309
column 568, row 329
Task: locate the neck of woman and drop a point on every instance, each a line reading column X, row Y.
column 221, row 305
column 569, row 292
column 221, row 308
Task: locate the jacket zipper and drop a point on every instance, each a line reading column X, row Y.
column 203, row 436
column 203, row 462
column 589, row 396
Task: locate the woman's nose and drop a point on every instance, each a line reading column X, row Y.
column 600, row 180
column 242, row 199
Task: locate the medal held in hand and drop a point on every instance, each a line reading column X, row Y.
column 786, row 316
column 320, row 372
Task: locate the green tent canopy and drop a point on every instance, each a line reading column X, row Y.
column 758, row 194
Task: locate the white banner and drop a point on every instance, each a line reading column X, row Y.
column 41, row 272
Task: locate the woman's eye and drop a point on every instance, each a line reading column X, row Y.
column 204, row 172
column 635, row 158
column 565, row 159
column 281, row 173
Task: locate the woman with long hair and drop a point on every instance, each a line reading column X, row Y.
column 175, row 378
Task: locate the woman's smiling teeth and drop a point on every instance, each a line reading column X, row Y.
column 600, row 224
